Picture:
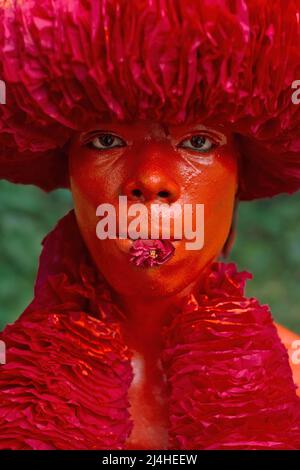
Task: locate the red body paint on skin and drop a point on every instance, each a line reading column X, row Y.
column 153, row 167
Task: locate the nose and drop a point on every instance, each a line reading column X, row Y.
column 152, row 175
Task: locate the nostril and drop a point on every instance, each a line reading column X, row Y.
column 136, row 192
column 164, row 194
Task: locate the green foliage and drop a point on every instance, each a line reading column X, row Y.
column 26, row 216
column 267, row 244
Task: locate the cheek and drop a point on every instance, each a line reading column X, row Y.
column 88, row 178
column 86, row 190
column 91, row 184
column 217, row 220
column 216, row 189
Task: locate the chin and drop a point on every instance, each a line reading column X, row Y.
column 151, row 283
column 144, row 282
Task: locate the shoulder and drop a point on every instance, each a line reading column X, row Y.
column 291, row 341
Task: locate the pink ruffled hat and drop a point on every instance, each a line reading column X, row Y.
column 70, row 63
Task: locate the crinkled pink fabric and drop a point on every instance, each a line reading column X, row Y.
column 72, row 63
column 68, row 368
column 230, row 383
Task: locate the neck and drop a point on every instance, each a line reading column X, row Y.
column 145, row 317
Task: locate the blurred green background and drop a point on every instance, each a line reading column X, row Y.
column 267, row 244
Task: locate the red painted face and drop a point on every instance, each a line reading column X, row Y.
column 151, row 164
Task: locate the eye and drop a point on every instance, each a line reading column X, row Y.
column 105, row 142
column 198, row 142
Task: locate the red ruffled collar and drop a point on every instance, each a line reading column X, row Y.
column 68, row 371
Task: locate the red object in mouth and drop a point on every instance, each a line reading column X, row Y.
column 148, row 253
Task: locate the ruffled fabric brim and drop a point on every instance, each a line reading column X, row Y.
column 71, row 64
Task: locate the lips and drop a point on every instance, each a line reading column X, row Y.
column 148, row 253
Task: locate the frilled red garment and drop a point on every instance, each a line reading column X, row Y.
column 68, row 370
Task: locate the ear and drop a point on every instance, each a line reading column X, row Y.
column 232, row 232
